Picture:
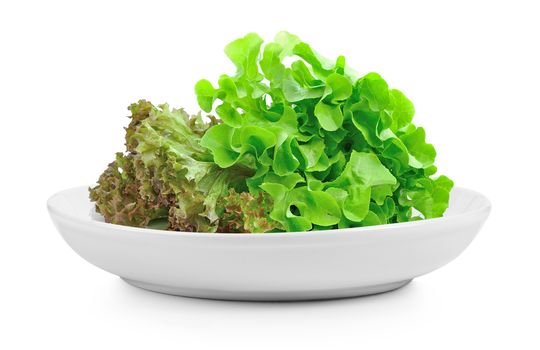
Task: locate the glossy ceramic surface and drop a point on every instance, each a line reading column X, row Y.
column 277, row 266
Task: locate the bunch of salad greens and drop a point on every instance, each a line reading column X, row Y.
column 302, row 146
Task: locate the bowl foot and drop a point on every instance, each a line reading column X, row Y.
column 270, row 295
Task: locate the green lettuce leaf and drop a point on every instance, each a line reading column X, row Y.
column 349, row 141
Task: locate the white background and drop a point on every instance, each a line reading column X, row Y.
column 69, row 70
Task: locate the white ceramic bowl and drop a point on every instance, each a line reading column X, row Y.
column 277, row 266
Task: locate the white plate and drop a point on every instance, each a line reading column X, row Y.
column 277, row 266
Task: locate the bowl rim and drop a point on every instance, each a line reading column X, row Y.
column 54, row 211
